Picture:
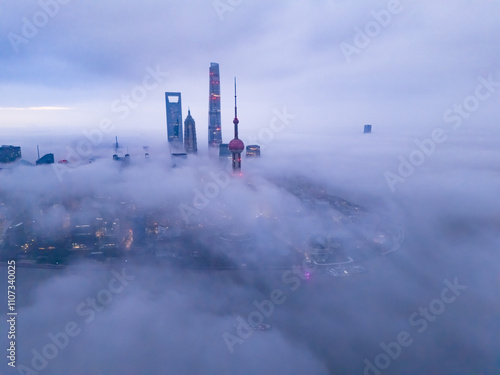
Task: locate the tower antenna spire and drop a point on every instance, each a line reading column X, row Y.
column 235, row 108
column 236, row 146
column 235, row 121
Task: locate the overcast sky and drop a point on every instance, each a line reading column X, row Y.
column 305, row 56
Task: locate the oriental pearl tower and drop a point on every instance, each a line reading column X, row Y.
column 236, row 146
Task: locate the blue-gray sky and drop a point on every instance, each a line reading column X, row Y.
column 419, row 61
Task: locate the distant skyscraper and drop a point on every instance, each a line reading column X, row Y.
column 174, row 118
column 190, row 144
column 9, row 154
column 178, row 159
column 224, row 152
column 253, row 151
column 214, row 121
column 46, row 159
column 236, row 146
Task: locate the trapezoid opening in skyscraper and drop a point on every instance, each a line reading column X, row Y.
column 174, row 119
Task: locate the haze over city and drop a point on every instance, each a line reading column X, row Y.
column 337, row 248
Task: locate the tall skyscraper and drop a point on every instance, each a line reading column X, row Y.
column 174, row 118
column 236, row 146
column 190, row 144
column 214, row 121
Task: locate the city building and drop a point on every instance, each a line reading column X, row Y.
column 224, row 152
column 174, row 118
column 178, row 159
column 367, row 129
column 83, row 236
column 125, row 159
column 46, row 159
column 190, row 144
column 236, row 146
column 214, row 118
column 9, row 154
column 253, row 151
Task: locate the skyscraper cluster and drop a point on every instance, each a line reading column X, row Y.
column 180, row 145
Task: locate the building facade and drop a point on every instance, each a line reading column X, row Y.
column 253, row 151
column 214, row 118
column 174, row 117
column 224, row 152
column 9, row 154
column 190, row 144
column 46, row 159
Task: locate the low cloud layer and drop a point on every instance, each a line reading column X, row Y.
column 172, row 320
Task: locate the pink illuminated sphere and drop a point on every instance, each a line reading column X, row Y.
column 236, row 145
